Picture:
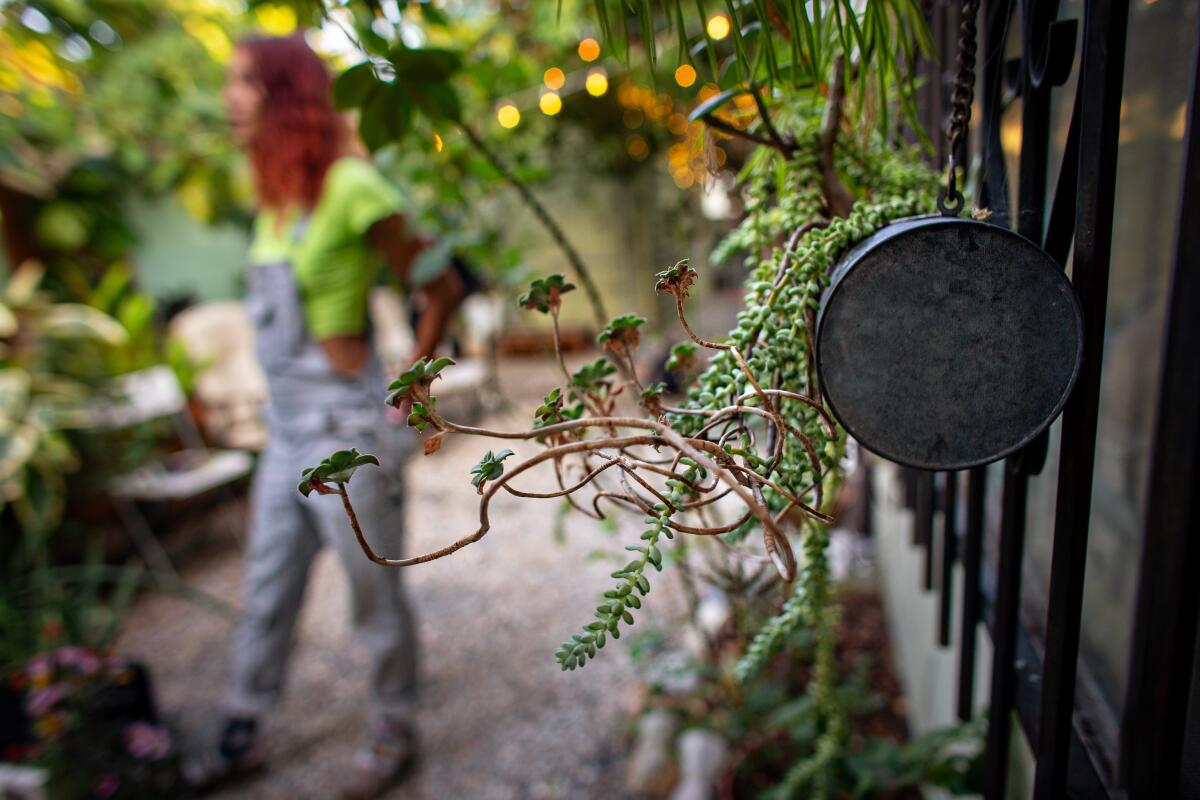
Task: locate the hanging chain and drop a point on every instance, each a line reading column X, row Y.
column 951, row 200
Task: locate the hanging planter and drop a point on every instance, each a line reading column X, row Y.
column 945, row 343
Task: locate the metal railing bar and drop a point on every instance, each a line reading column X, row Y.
column 923, row 523
column 1091, row 751
column 1031, row 204
column 1004, row 629
column 972, row 597
column 1101, row 80
column 1060, row 230
column 994, row 185
column 949, row 555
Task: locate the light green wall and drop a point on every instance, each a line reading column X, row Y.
column 176, row 255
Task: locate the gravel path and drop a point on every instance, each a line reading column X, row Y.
column 498, row 718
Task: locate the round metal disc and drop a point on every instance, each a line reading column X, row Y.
column 946, row 343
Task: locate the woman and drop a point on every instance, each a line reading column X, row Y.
column 325, row 221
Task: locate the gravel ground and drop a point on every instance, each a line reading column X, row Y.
column 498, row 719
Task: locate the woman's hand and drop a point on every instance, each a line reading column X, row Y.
column 394, row 243
column 437, row 298
column 346, row 354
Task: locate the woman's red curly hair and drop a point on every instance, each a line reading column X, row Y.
column 299, row 133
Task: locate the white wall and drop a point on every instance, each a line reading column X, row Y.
column 927, row 671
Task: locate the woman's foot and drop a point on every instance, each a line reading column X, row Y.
column 386, row 759
column 237, row 755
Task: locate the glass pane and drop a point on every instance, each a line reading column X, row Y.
column 1153, row 111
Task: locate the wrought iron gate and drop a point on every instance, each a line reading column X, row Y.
column 1082, row 747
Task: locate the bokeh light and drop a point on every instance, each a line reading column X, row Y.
column 589, row 49
column 437, row 143
column 277, row 20
column 637, row 147
column 508, row 116
column 596, row 83
column 718, row 26
column 554, row 78
column 685, row 75
column 550, row 104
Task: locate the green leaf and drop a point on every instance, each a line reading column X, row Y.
column 425, row 65
column 544, row 293
column 550, row 411
column 710, row 105
column 434, row 15
column 683, row 356
column 339, row 467
column 439, row 102
column 438, row 365
column 622, row 329
column 592, row 378
column 419, row 374
column 676, row 279
column 352, row 88
column 385, row 118
column 489, row 468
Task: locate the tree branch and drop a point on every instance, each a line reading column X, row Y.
column 838, row 197
column 556, row 232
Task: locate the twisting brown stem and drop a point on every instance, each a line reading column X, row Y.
column 808, row 401
column 625, row 361
column 616, row 498
column 626, row 471
column 776, row 544
column 562, row 363
column 558, row 354
column 484, row 521
column 565, row 491
column 688, row 328
column 709, row 531
column 695, row 449
column 570, row 497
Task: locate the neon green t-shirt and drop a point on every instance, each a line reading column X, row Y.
column 332, row 261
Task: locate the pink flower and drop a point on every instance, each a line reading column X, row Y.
column 39, row 667
column 147, row 741
column 82, row 659
column 106, row 786
column 41, row 701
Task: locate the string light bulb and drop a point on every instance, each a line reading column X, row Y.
column 550, row 104
column 718, row 26
column 589, row 49
column 596, row 83
column 508, row 116
column 554, row 78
